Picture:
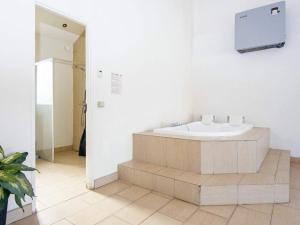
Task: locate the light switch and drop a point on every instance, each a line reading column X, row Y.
column 100, row 104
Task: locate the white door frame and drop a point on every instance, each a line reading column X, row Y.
column 89, row 180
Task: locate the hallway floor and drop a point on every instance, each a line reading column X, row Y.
column 64, row 200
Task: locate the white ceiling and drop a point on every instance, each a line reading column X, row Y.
column 50, row 24
column 55, row 33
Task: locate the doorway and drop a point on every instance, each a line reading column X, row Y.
column 60, row 107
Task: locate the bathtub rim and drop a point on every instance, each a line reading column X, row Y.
column 252, row 135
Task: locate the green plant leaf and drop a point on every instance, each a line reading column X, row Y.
column 10, row 183
column 25, row 185
column 12, row 180
column 3, row 194
column 3, row 197
column 2, row 155
column 19, row 202
column 17, row 157
column 15, row 168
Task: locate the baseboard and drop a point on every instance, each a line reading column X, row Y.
column 64, row 148
column 99, row 182
column 18, row 214
column 295, row 160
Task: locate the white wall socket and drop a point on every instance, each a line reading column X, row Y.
column 100, row 104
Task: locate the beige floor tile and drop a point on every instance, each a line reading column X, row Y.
column 160, row 219
column 258, row 178
column 112, row 188
column 264, row 208
column 61, row 211
column 178, row 210
column 68, row 182
column 243, row 216
column 294, row 199
column 40, row 206
column 254, row 194
column 142, row 208
column 134, row 214
column 285, row 216
column 63, row 222
column 220, row 210
column 204, row 218
column 142, row 166
column 223, row 179
column 152, row 201
column 55, row 214
column 92, row 197
column 99, row 211
column 59, row 197
column 112, row 221
column 133, row 193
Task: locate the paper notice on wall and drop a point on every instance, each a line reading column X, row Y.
column 116, row 84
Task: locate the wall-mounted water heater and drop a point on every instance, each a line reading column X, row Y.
column 260, row 28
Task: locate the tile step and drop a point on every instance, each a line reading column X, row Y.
column 269, row 185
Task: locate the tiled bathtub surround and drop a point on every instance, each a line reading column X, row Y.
column 237, row 154
column 269, row 185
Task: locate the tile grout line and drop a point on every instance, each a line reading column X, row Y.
column 133, row 202
column 260, row 212
column 169, row 200
column 210, row 213
column 271, row 217
column 105, row 198
column 230, row 217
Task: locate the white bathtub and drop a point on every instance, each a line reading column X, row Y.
column 202, row 130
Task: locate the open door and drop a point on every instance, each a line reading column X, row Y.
column 44, row 110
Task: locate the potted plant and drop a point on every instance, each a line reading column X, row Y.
column 13, row 181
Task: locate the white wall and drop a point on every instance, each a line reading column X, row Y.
column 17, row 78
column 149, row 43
column 263, row 86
